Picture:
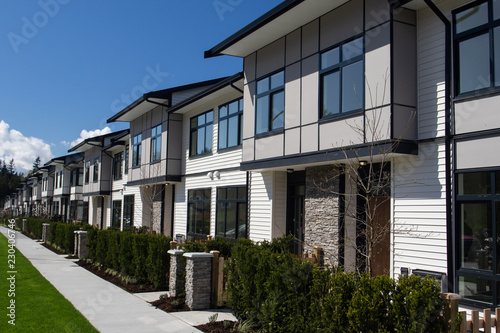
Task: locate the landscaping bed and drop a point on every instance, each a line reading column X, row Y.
column 219, row 327
column 171, row 304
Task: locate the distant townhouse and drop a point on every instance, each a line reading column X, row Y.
column 331, row 84
column 96, row 178
column 47, row 173
column 154, row 161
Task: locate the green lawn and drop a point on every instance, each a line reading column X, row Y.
column 39, row 307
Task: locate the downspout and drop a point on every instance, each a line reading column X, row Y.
column 447, row 141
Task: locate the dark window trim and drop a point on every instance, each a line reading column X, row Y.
column 118, row 172
column 126, row 157
column 270, row 93
column 153, row 140
column 238, row 114
column 94, row 171
column 195, row 129
column 209, row 201
column 337, row 67
column 237, row 202
column 138, row 146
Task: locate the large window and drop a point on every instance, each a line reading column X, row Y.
column 76, row 177
column 201, row 134
column 477, row 46
column 128, row 211
column 230, row 124
column 199, row 212
column 156, row 143
column 96, row 170
column 117, row 166
column 270, row 114
column 231, row 219
column 478, row 229
column 342, row 79
column 87, row 172
column 136, row 150
column 126, row 157
column 116, row 220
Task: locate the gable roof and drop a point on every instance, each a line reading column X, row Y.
column 276, row 23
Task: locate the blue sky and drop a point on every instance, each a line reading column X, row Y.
column 66, row 65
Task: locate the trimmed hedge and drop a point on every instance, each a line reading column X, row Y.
column 276, row 292
column 142, row 257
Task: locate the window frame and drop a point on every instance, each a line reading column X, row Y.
column 87, row 171
column 227, row 117
column 196, row 202
column 128, row 210
column 155, row 142
column 492, row 199
column 126, row 156
column 196, row 129
column 136, row 150
column 270, row 93
column 95, row 170
column 323, row 72
column 483, row 29
column 237, row 202
column 116, row 223
column 118, row 166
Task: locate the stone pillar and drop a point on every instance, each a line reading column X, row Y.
column 198, row 280
column 45, row 232
column 176, row 283
column 25, row 225
column 81, row 250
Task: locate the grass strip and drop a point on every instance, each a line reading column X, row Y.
column 39, row 307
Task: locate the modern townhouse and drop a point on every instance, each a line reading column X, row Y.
column 211, row 198
column 154, row 161
column 47, row 173
column 96, row 178
column 36, row 195
column 411, row 83
column 66, row 190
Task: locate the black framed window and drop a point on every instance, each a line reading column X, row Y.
column 156, row 143
column 476, row 29
column 128, row 211
column 76, row 177
column 87, row 172
column 270, row 103
column 201, row 134
column 116, row 220
column 126, row 157
column 199, row 212
column 231, row 213
column 96, row 170
column 230, row 124
column 117, row 166
column 478, row 236
column 342, row 78
column 136, row 150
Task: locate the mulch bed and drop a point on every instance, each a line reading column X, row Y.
column 53, row 249
column 218, row 327
column 116, row 280
column 29, row 235
column 171, row 304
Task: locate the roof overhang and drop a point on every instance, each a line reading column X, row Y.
column 411, row 4
column 223, row 88
column 278, row 22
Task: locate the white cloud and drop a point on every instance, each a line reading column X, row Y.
column 24, row 150
column 84, row 134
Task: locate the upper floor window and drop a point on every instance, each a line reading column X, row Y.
column 126, row 157
column 87, row 171
column 156, row 143
column 117, row 166
column 136, row 150
column 230, row 124
column 342, row 79
column 270, row 100
column 201, row 134
column 477, row 46
column 96, row 170
column 76, row 177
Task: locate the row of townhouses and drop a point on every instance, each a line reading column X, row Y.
column 405, row 87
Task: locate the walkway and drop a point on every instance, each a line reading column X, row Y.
column 108, row 308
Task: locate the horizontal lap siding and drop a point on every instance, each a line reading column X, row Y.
column 260, row 210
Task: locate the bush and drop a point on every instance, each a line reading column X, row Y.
column 223, row 245
column 127, row 264
column 140, row 251
column 158, row 260
column 278, row 293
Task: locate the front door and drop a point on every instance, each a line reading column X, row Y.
column 295, row 209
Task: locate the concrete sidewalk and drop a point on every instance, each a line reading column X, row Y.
column 107, row 307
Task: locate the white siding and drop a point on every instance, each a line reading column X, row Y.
column 260, row 205
column 419, row 210
column 279, row 204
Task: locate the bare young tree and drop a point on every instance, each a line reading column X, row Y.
column 152, row 198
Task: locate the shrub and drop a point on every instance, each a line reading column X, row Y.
column 223, row 245
column 127, row 264
column 140, row 251
column 158, row 260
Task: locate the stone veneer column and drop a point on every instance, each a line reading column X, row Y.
column 177, row 269
column 321, row 220
column 81, row 250
column 198, row 280
column 45, row 232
